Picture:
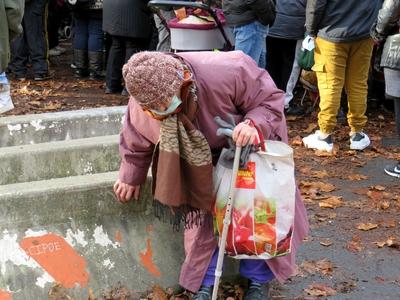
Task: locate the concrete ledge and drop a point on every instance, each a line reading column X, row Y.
column 66, row 125
column 59, row 159
column 72, row 231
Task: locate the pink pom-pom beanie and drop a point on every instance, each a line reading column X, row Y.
column 152, row 77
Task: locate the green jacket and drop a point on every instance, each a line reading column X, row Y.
column 11, row 13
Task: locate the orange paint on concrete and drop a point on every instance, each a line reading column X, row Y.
column 118, row 236
column 147, row 260
column 58, row 258
column 4, row 295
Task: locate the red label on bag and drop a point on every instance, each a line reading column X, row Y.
column 246, row 178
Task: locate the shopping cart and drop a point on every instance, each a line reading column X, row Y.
column 211, row 35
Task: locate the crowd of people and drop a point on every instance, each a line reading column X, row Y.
column 111, row 40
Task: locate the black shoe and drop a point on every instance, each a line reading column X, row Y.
column 204, row 293
column 42, row 77
column 257, row 291
column 393, row 170
column 113, row 90
column 294, row 111
column 81, row 73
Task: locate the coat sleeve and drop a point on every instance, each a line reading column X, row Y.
column 259, row 100
column 314, row 12
column 388, row 15
column 15, row 12
column 263, row 9
column 136, row 152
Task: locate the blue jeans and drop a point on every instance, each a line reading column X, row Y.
column 88, row 34
column 254, row 269
column 250, row 38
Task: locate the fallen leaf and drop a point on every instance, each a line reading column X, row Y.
column 378, row 187
column 381, row 117
column 291, row 118
column 355, row 244
column 357, row 177
column 311, row 127
column 367, row 226
column 320, row 174
column 322, row 186
column 159, row 294
column 297, row 141
column 384, row 204
column 320, row 290
column 323, row 266
column 326, row 242
column 331, row 202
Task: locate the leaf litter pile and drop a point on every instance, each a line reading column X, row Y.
column 335, row 189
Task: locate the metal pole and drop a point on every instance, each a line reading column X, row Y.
column 227, row 222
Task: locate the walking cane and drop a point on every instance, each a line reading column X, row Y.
column 227, row 222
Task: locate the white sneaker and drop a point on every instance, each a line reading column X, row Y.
column 54, row 52
column 318, row 142
column 6, row 103
column 359, row 141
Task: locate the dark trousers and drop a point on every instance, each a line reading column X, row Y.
column 122, row 48
column 88, row 34
column 32, row 44
column 280, row 58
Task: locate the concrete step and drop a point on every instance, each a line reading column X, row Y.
column 59, row 159
column 54, row 200
column 72, row 231
column 65, row 125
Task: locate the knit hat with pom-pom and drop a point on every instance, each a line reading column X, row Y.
column 152, row 78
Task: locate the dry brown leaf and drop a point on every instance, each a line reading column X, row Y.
column 355, row 244
column 326, row 243
column 159, row 294
column 323, row 266
column 357, row 177
column 378, row 187
column 367, row 226
column 381, row 117
column 291, row 118
column 320, row 290
column 375, row 195
column 52, row 106
column 323, row 187
column 320, row 174
column 297, row 141
column 311, row 127
column 331, row 202
column 362, row 191
column 384, row 204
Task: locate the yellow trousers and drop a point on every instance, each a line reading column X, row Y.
column 339, row 65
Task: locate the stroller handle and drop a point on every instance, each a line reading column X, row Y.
column 169, row 4
column 155, row 6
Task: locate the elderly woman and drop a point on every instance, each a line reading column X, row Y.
column 170, row 123
column 387, row 31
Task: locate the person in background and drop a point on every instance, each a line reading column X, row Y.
column 53, row 25
column 88, row 42
column 11, row 13
column 250, row 22
column 129, row 25
column 174, row 100
column 284, row 44
column 342, row 55
column 31, row 47
column 387, row 31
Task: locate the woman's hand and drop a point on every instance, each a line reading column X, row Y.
column 245, row 134
column 125, row 192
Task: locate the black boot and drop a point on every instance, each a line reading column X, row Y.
column 204, row 293
column 81, row 63
column 96, row 65
column 396, row 103
column 257, row 291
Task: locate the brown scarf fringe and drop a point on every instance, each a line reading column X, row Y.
column 185, row 215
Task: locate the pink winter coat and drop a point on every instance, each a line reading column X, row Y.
column 227, row 83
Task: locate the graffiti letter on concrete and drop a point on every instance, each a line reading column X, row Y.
column 147, row 260
column 5, row 295
column 57, row 258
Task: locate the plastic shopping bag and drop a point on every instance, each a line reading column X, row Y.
column 263, row 205
column 306, row 56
